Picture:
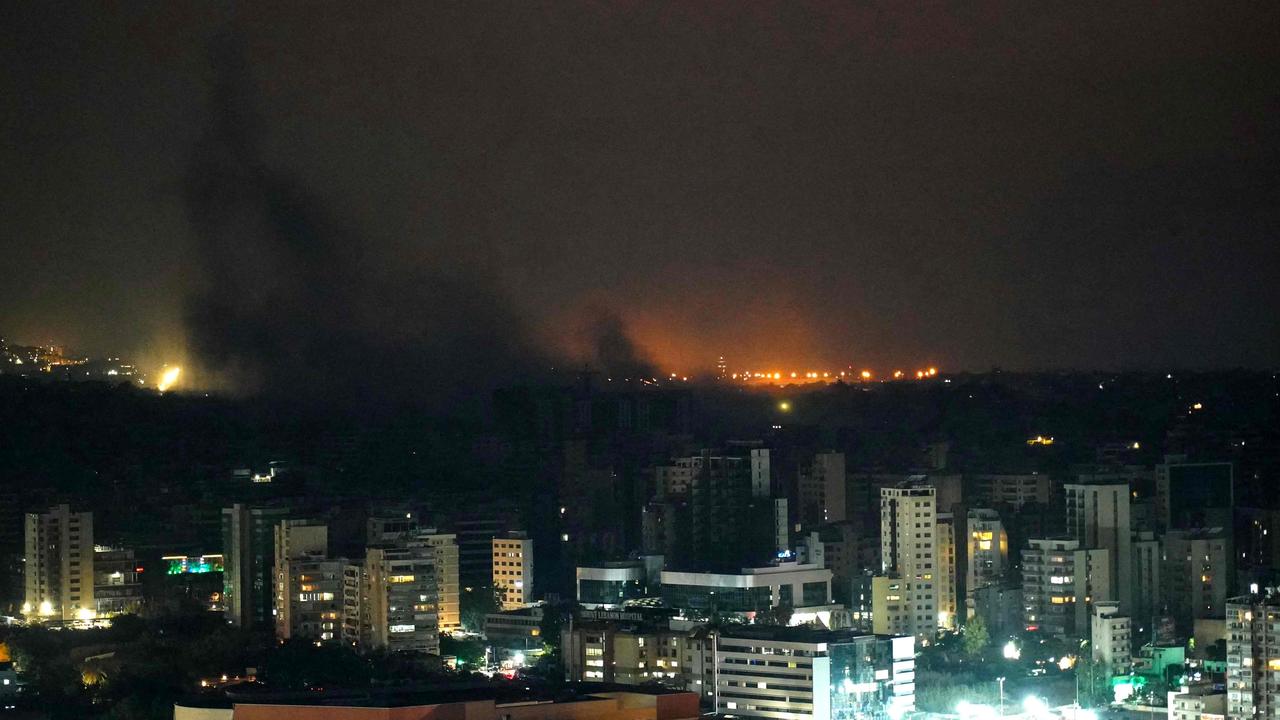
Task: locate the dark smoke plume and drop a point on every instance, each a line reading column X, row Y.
column 614, row 352
column 290, row 305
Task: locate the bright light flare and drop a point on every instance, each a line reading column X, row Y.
column 169, row 378
column 1011, row 651
column 784, row 406
column 1035, row 706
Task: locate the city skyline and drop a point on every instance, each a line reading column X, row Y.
column 805, row 359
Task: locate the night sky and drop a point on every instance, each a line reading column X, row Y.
column 796, row 184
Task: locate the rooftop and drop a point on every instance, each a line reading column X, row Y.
column 506, row 693
column 796, row 634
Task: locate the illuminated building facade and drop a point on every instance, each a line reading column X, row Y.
column 519, row 629
column 513, row 569
column 401, row 529
column 1201, row 702
column 889, row 614
column 1253, row 655
column 948, row 604
column 1098, row 516
column 1060, row 580
column 321, row 600
column 1111, row 637
column 58, row 572
column 117, row 582
column 297, row 544
column 988, row 552
column 752, row 590
column 772, row 672
column 635, row 651
column 909, row 555
column 401, row 612
column 444, row 548
column 1197, row 572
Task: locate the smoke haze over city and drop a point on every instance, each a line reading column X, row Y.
column 791, row 184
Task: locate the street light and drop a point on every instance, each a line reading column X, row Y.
column 1001, row 681
column 1083, row 645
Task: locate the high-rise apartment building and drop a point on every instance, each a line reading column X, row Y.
column 59, row 566
column 1098, row 517
column 117, row 584
column 849, row 554
column 299, row 544
column 1148, row 593
column 1197, row 574
column 390, row 526
column 319, row 600
column 1193, row 495
column 1012, row 490
column 513, row 569
column 475, row 532
column 1060, row 581
column 401, row 605
column 715, row 510
column 1111, row 637
column 988, row 552
column 909, row 554
column 822, row 490
column 444, row 547
column 761, row 473
column 1253, row 655
column 248, row 550
column 725, row 523
column 948, row 605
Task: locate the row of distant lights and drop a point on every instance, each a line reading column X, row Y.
column 865, row 375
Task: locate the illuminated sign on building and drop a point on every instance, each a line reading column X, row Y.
column 194, row 565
